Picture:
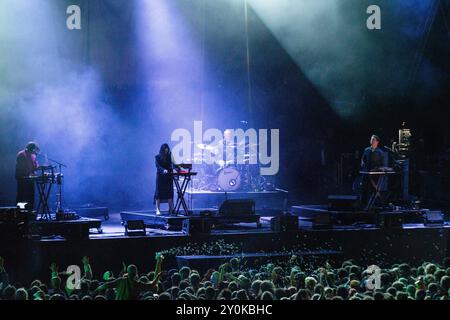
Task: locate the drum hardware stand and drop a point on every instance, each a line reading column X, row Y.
column 44, row 185
column 376, row 185
column 59, row 182
column 181, row 190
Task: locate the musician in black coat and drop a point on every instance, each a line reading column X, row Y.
column 374, row 157
column 164, row 181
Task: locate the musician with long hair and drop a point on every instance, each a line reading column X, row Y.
column 164, row 181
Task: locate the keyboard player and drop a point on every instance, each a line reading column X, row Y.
column 373, row 159
column 26, row 164
column 164, row 182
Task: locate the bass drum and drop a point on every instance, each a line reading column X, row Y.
column 229, row 179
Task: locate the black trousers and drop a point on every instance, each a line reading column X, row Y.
column 25, row 192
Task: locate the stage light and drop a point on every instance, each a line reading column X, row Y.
column 172, row 64
column 135, row 228
column 333, row 47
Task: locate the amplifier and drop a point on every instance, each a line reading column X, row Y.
column 135, row 228
column 237, row 207
column 343, row 203
column 196, row 226
column 433, row 218
column 284, row 223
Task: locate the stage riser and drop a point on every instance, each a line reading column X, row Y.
column 175, row 223
column 267, row 203
column 93, row 212
column 315, row 213
column 70, row 229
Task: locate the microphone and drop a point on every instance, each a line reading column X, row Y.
column 47, row 160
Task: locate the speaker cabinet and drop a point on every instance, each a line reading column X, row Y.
column 284, row 223
column 343, row 203
column 237, row 207
column 196, row 226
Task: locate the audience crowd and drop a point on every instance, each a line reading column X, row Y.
column 233, row 281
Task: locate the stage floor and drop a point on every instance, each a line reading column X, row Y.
column 365, row 243
column 113, row 228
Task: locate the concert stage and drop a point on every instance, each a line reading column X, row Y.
column 366, row 243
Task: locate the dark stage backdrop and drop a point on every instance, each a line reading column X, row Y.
column 103, row 98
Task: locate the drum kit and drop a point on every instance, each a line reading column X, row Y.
column 228, row 175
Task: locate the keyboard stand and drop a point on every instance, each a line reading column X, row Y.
column 181, row 191
column 376, row 193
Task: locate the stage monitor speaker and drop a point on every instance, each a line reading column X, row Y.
column 343, row 203
column 237, row 207
column 433, row 218
column 196, row 226
column 135, row 228
column 284, row 223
